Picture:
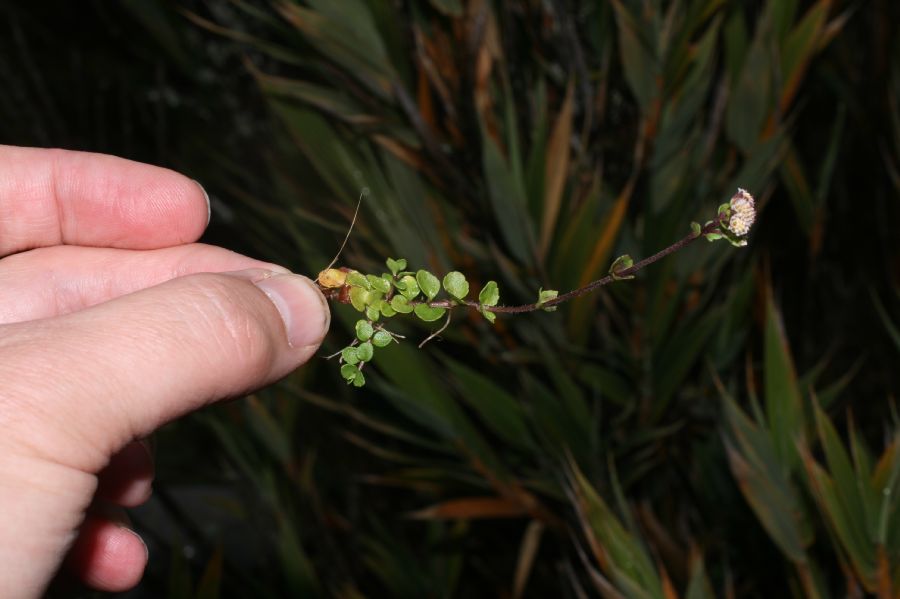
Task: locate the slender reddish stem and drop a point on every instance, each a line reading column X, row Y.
column 711, row 227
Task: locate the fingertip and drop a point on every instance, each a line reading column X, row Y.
column 108, row 557
column 302, row 307
column 82, row 198
column 174, row 202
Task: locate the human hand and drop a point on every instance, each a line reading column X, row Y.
column 112, row 323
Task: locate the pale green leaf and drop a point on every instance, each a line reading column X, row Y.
column 401, row 304
column 386, row 309
column 357, row 279
column 358, row 298
column 364, row 351
column 363, row 330
column 456, row 285
column 407, row 286
column 428, row 283
column 348, row 355
column 396, row 266
column 381, row 339
column 349, row 371
column 379, row 284
column 427, row 313
column 489, row 294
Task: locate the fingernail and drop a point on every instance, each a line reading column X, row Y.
column 302, row 306
column 139, row 538
column 208, row 204
column 255, row 275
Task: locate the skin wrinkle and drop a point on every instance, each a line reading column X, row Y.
column 183, row 266
column 244, row 333
column 46, row 359
column 49, row 486
column 18, row 239
column 14, row 406
column 58, row 299
column 54, row 178
column 109, row 198
column 45, row 482
column 36, row 431
column 168, row 203
column 18, row 277
column 156, row 336
column 34, row 216
column 158, row 204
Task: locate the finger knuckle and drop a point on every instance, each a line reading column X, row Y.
column 236, row 324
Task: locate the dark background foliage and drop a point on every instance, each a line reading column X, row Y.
column 457, row 467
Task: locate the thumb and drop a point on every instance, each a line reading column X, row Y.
column 79, row 387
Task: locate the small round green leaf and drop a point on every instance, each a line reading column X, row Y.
column 401, row 304
column 378, row 284
column 456, row 285
column 489, row 294
column 364, row 351
column 428, row 283
column 489, row 316
column 363, row 330
column 359, row 380
column 386, row 310
column 381, row 339
column 349, row 372
column 372, row 313
column 357, row 279
column 429, row 314
column 373, row 298
column 358, row 297
column 396, row 266
column 349, row 355
column 407, row 286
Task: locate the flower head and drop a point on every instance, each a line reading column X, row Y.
column 743, row 213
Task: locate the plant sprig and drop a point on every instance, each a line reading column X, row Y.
column 402, row 291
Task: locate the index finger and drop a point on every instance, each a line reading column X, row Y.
column 60, row 197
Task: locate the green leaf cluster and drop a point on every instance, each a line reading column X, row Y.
column 402, row 292
column 355, row 356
